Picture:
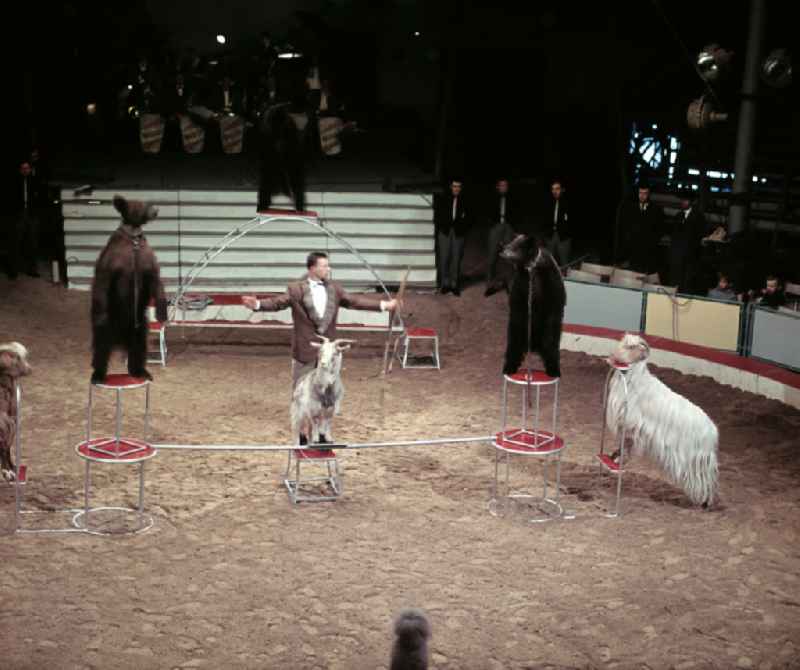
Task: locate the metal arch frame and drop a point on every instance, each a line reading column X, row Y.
column 240, row 231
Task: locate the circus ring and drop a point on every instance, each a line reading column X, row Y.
column 231, row 574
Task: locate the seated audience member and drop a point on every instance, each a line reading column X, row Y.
column 723, row 290
column 772, row 294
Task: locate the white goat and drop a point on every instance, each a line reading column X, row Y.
column 674, row 432
column 318, row 394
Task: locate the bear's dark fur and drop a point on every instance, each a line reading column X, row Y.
column 281, row 160
column 126, row 279
column 531, row 261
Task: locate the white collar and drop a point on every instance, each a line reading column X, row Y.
column 315, row 282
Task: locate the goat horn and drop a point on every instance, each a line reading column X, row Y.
column 323, row 338
column 337, row 342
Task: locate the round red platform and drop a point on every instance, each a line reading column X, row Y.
column 510, row 439
column 536, row 377
column 421, row 332
column 314, row 454
column 130, row 450
column 118, row 381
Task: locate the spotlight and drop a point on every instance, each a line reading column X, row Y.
column 286, row 55
column 712, row 62
column 130, row 87
column 221, row 39
column 91, row 108
column 701, row 114
column 416, row 33
column 776, row 70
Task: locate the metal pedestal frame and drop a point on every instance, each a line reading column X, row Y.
column 138, row 454
column 528, row 440
column 409, row 335
column 615, row 467
column 111, row 446
column 320, row 456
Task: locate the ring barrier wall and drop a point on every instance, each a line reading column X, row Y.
column 602, row 305
column 691, row 334
column 775, row 336
column 694, row 320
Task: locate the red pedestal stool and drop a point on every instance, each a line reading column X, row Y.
column 614, row 466
column 421, row 334
column 158, row 330
column 531, row 438
column 317, row 487
column 111, row 446
column 129, row 451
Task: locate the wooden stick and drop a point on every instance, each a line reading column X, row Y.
column 388, row 363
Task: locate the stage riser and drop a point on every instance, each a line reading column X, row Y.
column 240, row 212
column 255, row 286
column 273, row 273
column 391, row 231
column 162, row 242
column 338, row 259
column 221, row 228
column 249, row 198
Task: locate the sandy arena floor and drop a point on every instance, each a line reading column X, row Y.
column 233, row 576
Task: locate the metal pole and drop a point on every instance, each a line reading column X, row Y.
column 293, row 447
column 17, row 455
column 737, row 220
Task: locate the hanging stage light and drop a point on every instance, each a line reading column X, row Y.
column 776, row 70
column 701, row 114
column 712, row 62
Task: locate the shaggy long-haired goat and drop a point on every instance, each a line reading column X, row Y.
column 671, row 430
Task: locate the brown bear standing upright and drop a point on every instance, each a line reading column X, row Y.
column 126, row 279
column 537, row 283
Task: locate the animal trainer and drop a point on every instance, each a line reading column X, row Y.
column 315, row 300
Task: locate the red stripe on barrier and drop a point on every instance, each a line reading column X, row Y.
column 726, row 358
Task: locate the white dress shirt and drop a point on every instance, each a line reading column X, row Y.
column 319, row 294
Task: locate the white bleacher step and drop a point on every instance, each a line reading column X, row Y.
column 278, row 257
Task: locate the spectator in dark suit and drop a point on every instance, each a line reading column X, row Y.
column 688, row 229
column 452, row 224
column 503, row 215
column 24, row 225
column 556, row 224
column 641, row 228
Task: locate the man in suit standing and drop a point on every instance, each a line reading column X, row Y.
column 557, row 226
column 642, row 226
column 688, row 229
column 503, row 215
column 314, row 300
column 23, row 234
column 452, row 224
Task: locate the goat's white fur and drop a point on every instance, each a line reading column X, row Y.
column 671, row 430
column 318, row 394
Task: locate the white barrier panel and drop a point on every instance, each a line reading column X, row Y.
column 603, row 306
column 775, row 336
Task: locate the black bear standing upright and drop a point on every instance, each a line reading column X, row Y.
column 126, row 279
column 281, row 163
column 534, row 270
